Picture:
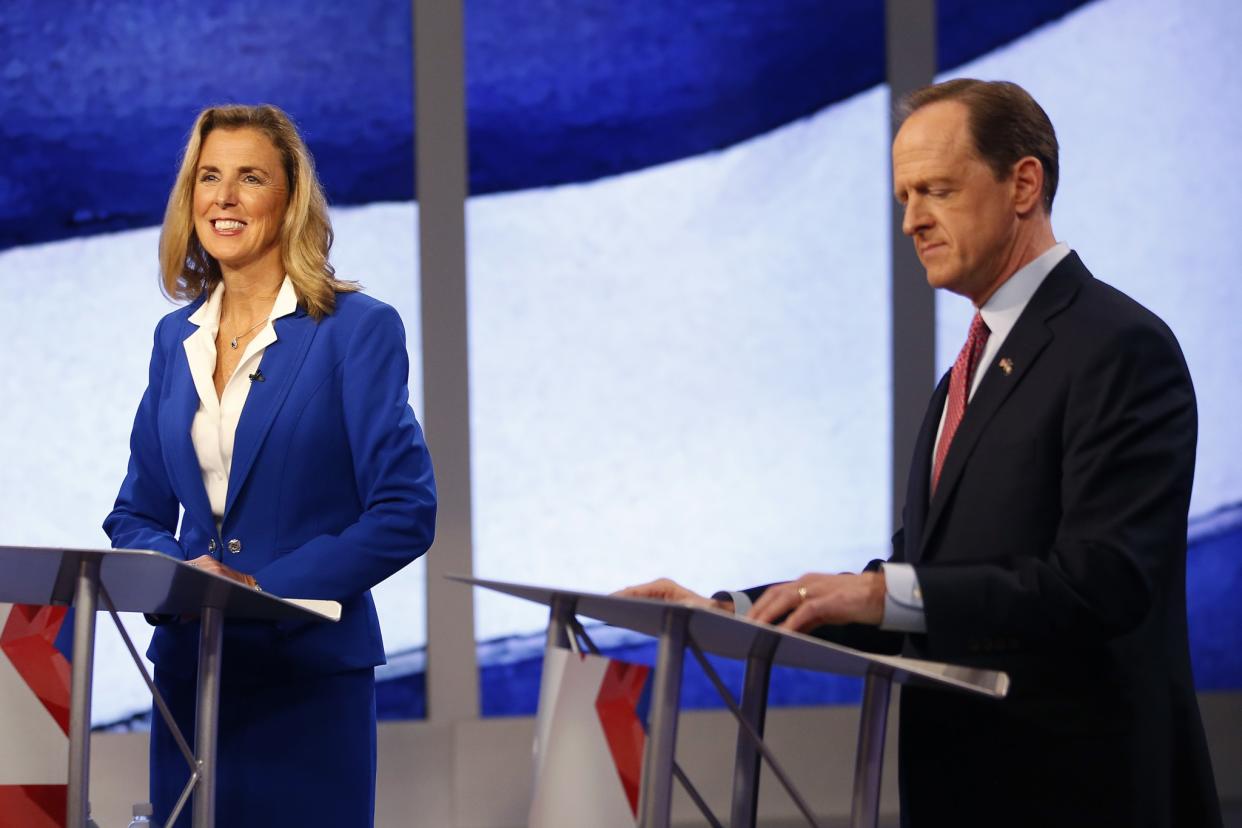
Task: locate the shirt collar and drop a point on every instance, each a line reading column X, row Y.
column 1003, row 308
column 287, row 300
column 208, row 314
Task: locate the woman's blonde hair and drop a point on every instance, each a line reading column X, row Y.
column 188, row 270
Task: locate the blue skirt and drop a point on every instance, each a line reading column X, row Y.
column 295, row 751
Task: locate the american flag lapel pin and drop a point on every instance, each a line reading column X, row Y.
column 1006, row 366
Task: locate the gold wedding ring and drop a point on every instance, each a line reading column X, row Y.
column 801, row 594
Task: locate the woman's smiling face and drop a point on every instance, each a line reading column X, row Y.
column 240, row 195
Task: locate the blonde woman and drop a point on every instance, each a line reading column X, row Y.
column 276, row 416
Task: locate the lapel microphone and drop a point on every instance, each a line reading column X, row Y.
column 257, row 376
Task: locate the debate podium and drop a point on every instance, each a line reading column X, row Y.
column 127, row 580
column 761, row 646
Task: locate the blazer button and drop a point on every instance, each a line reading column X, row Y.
column 211, row 545
column 234, row 545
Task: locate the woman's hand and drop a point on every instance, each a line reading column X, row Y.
column 664, row 589
column 210, row 564
column 817, row 599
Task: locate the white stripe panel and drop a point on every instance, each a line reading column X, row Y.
column 578, row 782
column 35, row 750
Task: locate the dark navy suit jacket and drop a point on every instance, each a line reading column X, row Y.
column 1054, row 549
column 330, row 491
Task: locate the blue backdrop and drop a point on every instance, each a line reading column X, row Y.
column 96, row 102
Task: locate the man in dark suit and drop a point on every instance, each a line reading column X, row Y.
column 1045, row 518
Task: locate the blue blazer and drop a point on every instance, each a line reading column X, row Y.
column 330, row 491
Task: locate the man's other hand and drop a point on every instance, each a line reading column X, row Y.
column 664, row 589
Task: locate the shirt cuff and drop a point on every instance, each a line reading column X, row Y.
column 903, row 600
column 741, row 601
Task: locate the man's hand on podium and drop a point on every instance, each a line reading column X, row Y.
column 817, row 599
column 664, row 589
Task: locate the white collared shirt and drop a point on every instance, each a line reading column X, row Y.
column 1000, row 313
column 214, row 427
column 903, row 600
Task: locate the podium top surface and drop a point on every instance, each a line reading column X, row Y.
column 734, row 636
column 143, row 581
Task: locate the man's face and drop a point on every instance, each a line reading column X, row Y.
column 962, row 219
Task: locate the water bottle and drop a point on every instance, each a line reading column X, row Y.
column 142, row 816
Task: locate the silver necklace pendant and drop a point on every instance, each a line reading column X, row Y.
column 252, row 329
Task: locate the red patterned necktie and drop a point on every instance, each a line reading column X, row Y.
column 959, row 391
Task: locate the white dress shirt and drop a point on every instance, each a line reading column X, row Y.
column 215, row 423
column 903, row 600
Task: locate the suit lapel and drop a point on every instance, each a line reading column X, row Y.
column 280, row 365
column 919, row 483
column 1017, row 354
column 183, row 466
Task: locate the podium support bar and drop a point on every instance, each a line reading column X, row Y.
column 86, row 602
column 753, row 712
column 869, row 761
column 655, row 796
column 210, row 645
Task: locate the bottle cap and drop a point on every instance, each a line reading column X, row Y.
column 143, row 809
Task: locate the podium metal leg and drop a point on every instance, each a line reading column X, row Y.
column 655, row 799
column 85, row 602
column 870, row 759
column 559, row 617
column 208, row 715
column 753, row 709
